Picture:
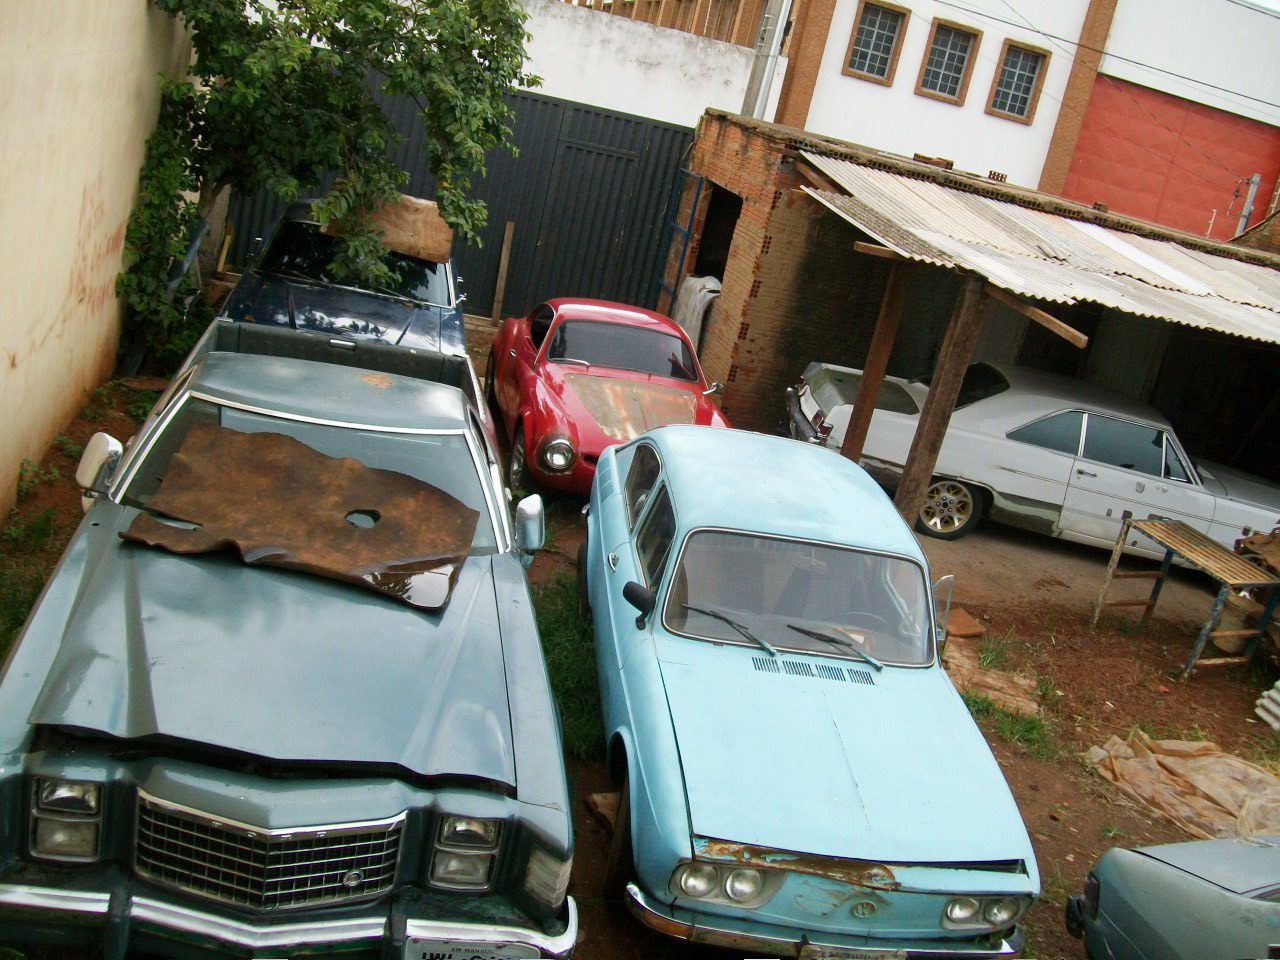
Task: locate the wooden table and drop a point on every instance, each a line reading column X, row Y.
column 1233, row 573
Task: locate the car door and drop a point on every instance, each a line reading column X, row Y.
column 1178, row 494
column 1031, row 468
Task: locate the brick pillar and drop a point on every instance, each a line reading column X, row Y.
column 808, row 41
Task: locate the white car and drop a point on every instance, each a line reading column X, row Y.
column 1038, row 451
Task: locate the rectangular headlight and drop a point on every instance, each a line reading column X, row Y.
column 68, row 796
column 61, row 839
column 546, row 879
column 469, row 833
column 461, row 871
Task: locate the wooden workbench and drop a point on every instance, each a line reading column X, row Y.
column 1233, row 573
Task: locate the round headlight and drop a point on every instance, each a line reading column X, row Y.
column 557, row 455
column 698, row 880
column 962, row 910
column 743, row 885
column 1000, row 912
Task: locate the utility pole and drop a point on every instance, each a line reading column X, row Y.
column 1249, row 197
column 768, row 49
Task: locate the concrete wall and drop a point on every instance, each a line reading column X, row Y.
column 634, row 67
column 896, row 119
column 78, row 99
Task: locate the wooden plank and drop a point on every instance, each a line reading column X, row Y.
column 701, row 18
column 1127, row 603
column 864, row 401
column 1222, row 662
column 1233, row 634
column 876, row 250
column 1046, row 320
column 1207, row 554
column 1111, row 572
column 953, row 360
column 668, row 12
column 746, row 23
column 500, row 288
column 1136, row 574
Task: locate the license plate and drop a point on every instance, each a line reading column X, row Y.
column 812, row 952
column 416, row 948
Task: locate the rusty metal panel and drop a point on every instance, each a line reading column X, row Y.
column 280, row 503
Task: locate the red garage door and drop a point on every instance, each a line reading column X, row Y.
column 1156, row 156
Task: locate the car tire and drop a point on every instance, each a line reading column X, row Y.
column 490, row 391
column 951, row 509
column 584, row 597
column 518, row 477
column 620, row 868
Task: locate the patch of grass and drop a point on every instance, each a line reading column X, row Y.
column 1112, row 832
column 1034, row 736
column 68, row 446
column 1055, row 887
column 30, row 534
column 31, row 477
column 141, row 404
column 1265, row 752
column 18, row 592
column 571, row 660
column 994, row 654
column 1047, row 690
column 95, row 405
column 1195, row 733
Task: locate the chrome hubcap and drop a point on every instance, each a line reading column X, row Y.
column 947, row 507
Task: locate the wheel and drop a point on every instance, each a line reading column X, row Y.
column 517, row 475
column 951, row 509
column 620, row 868
column 490, row 392
column 584, row 598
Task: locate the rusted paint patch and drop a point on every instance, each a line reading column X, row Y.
column 624, row 409
column 379, row 380
column 860, row 873
column 280, row 503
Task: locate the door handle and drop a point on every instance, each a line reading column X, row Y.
column 613, row 561
column 1084, row 473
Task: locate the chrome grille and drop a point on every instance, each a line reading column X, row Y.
column 264, row 869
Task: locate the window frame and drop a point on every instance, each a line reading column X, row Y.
column 1036, row 90
column 661, row 490
column 898, row 43
column 965, row 78
column 633, row 522
column 1084, row 440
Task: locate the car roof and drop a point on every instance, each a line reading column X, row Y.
column 774, row 485
column 581, row 308
column 327, row 391
column 1035, row 393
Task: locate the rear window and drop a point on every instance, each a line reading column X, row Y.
column 980, row 381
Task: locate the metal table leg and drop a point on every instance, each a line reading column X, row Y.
column 1210, row 625
column 1157, row 586
column 1273, row 600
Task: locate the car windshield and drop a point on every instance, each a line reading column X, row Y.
column 796, row 595
column 442, row 460
column 300, row 251
column 622, row 348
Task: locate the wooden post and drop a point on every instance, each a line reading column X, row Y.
column 500, row 288
column 944, row 387
column 864, row 401
column 701, row 14
column 746, row 24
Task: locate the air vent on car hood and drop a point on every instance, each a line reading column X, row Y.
column 799, row 668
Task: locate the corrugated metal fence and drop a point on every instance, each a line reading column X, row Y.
column 588, row 193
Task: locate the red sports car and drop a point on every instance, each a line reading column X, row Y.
column 575, row 376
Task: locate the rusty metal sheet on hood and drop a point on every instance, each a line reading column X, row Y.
column 624, row 409
column 280, row 503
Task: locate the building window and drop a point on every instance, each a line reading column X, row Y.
column 948, row 64
column 1016, row 88
column 876, row 41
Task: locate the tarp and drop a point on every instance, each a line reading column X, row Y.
column 1205, row 791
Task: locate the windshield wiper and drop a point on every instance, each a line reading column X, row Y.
column 838, row 642
column 717, row 615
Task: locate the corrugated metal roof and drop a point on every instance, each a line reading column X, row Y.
column 1046, row 256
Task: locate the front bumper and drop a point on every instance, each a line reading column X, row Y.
column 119, row 921
column 772, row 940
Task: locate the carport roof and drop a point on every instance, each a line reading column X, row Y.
column 1049, row 256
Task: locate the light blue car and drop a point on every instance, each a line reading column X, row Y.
column 799, row 777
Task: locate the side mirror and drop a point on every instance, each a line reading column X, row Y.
column 640, row 597
column 99, row 459
column 531, row 524
column 255, row 248
column 940, row 623
column 716, row 387
column 459, row 297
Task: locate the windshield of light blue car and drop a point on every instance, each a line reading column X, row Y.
column 442, row 460
column 859, row 602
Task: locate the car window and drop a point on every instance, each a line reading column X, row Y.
column 1122, row 443
column 540, row 324
column 1174, row 468
column 640, row 480
column 1060, row 432
column 654, row 536
column 299, row 250
column 622, row 348
column 981, row 380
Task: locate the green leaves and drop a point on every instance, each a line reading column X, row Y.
column 283, row 92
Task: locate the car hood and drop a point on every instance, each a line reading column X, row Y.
column 1240, row 866
column 1237, row 485
column 887, row 766
column 282, row 665
column 262, row 298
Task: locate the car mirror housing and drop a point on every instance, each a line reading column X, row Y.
column 640, row 597
column 941, row 621
column 716, row 387
column 531, row 524
column 101, row 454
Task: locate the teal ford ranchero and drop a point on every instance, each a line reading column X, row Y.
column 799, row 777
column 201, row 753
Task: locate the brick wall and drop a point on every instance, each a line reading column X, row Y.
column 1265, row 235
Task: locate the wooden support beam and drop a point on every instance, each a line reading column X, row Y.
column 1046, row 320
column 1222, row 662
column 668, row 13
column 504, row 258
column 876, row 250
column 816, row 178
column 944, row 387
column 701, row 18
column 1137, row 574
column 864, row 401
column 746, row 23
column 1234, row 634
column 1127, row 603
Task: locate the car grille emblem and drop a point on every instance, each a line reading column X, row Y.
column 352, row 879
